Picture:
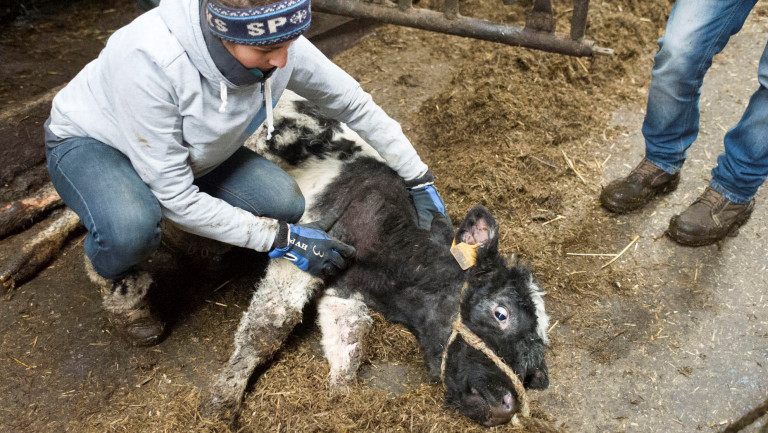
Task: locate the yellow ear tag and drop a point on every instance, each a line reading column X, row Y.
column 465, row 254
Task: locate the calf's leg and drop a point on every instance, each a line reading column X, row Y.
column 344, row 323
column 275, row 309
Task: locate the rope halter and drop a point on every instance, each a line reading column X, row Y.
column 459, row 328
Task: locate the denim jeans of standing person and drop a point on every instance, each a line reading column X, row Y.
column 122, row 215
column 696, row 31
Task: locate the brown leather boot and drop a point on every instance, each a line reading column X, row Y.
column 709, row 219
column 643, row 183
column 129, row 311
column 138, row 326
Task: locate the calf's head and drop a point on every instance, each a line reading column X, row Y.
column 503, row 306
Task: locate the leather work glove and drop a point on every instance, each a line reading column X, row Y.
column 311, row 249
column 427, row 200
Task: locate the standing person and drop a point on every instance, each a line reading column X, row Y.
column 154, row 127
column 696, row 31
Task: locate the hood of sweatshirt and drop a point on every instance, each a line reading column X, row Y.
column 183, row 18
column 186, row 21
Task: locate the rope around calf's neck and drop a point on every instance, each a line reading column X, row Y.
column 459, row 328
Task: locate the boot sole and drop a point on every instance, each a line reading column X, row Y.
column 133, row 340
column 140, row 342
column 696, row 241
column 621, row 208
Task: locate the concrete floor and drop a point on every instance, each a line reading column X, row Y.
column 705, row 363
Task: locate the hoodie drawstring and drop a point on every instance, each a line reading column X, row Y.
column 223, row 96
column 268, row 104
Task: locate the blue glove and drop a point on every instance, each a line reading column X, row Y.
column 427, row 200
column 311, row 249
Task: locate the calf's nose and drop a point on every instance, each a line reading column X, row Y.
column 507, row 402
column 502, row 412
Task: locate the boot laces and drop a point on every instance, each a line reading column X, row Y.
column 711, row 198
column 645, row 168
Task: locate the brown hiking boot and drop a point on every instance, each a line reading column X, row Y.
column 138, row 325
column 709, row 219
column 643, row 183
column 129, row 311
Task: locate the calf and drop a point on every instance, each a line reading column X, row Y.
column 406, row 273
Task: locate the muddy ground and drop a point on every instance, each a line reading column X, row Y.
column 666, row 338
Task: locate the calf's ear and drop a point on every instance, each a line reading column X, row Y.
column 538, row 378
column 479, row 228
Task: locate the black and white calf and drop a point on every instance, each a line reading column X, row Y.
column 406, row 273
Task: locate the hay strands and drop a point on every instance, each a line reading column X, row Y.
column 592, row 254
column 613, row 256
column 559, row 217
column 572, row 167
column 621, row 253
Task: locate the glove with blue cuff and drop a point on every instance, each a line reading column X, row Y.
column 426, row 199
column 311, row 249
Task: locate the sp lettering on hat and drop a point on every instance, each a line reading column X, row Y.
column 265, row 25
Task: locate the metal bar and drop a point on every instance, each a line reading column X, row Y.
column 579, row 19
column 462, row 26
column 452, row 9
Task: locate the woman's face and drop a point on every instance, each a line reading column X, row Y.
column 263, row 58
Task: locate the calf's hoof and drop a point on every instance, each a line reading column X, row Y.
column 340, row 384
column 213, row 408
column 224, row 402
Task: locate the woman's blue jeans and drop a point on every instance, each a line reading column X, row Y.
column 696, row 31
column 122, row 215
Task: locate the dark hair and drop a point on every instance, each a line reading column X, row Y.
column 244, row 4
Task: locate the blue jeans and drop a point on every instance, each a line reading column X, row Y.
column 696, row 31
column 122, row 215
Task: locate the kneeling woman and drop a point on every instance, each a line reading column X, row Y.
column 154, row 128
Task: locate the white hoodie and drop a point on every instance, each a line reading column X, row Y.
column 155, row 94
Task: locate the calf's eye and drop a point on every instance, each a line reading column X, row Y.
column 501, row 314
